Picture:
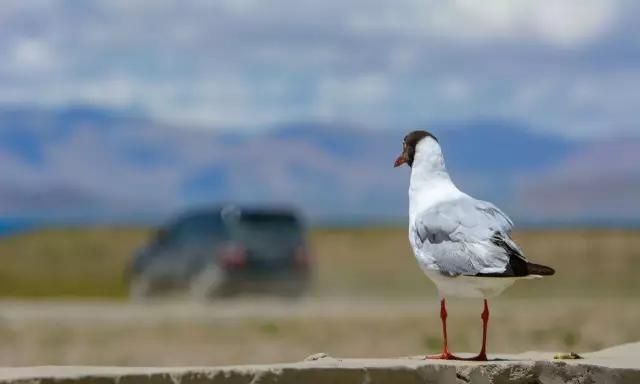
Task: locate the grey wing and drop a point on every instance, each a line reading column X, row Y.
column 465, row 236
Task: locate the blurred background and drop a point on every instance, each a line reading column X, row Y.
column 189, row 182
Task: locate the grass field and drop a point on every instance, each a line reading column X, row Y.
column 91, row 262
column 369, row 299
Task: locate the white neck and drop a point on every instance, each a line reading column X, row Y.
column 430, row 182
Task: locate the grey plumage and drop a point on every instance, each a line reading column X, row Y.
column 465, row 236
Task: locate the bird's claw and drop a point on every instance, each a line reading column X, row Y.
column 442, row 356
column 450, row 356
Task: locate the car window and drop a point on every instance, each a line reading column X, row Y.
column 267, row 231
column 202, row 227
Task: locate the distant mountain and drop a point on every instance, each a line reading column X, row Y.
column 93, row 162
column 598, row 182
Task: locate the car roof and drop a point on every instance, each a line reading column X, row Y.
column 237, row 210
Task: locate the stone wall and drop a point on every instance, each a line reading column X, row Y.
column 616, row 365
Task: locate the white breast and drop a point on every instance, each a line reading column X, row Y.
column 471, row 287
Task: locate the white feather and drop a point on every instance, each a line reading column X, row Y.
column 451, row 233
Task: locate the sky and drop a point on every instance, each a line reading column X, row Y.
column 124, row 107
column 566, row 67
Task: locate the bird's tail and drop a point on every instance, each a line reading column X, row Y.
column 541, row 270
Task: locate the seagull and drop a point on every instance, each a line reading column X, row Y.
column 462, row 244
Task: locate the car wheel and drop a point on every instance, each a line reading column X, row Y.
column 140, row 289
column 207, row 284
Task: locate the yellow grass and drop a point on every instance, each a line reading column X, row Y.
column 604, row 263
column 89, row 262
column 92, row 262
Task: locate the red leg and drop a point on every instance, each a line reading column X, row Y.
column 482, row 356
column 445, row 355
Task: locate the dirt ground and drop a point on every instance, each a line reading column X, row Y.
column 267, row 331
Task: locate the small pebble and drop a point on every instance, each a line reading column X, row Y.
column 567, row 356
column 316, row 356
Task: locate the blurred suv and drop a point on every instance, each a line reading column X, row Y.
column 224, row 252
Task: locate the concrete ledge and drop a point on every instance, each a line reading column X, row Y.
column 616, row 365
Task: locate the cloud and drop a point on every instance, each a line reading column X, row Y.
column 31, row 55
column 562, row 23
column 568, row 66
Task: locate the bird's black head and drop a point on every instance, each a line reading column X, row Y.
column 409, row 147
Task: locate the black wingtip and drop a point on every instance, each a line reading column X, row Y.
column 542, row 270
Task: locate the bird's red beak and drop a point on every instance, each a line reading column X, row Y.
column 400, row 160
